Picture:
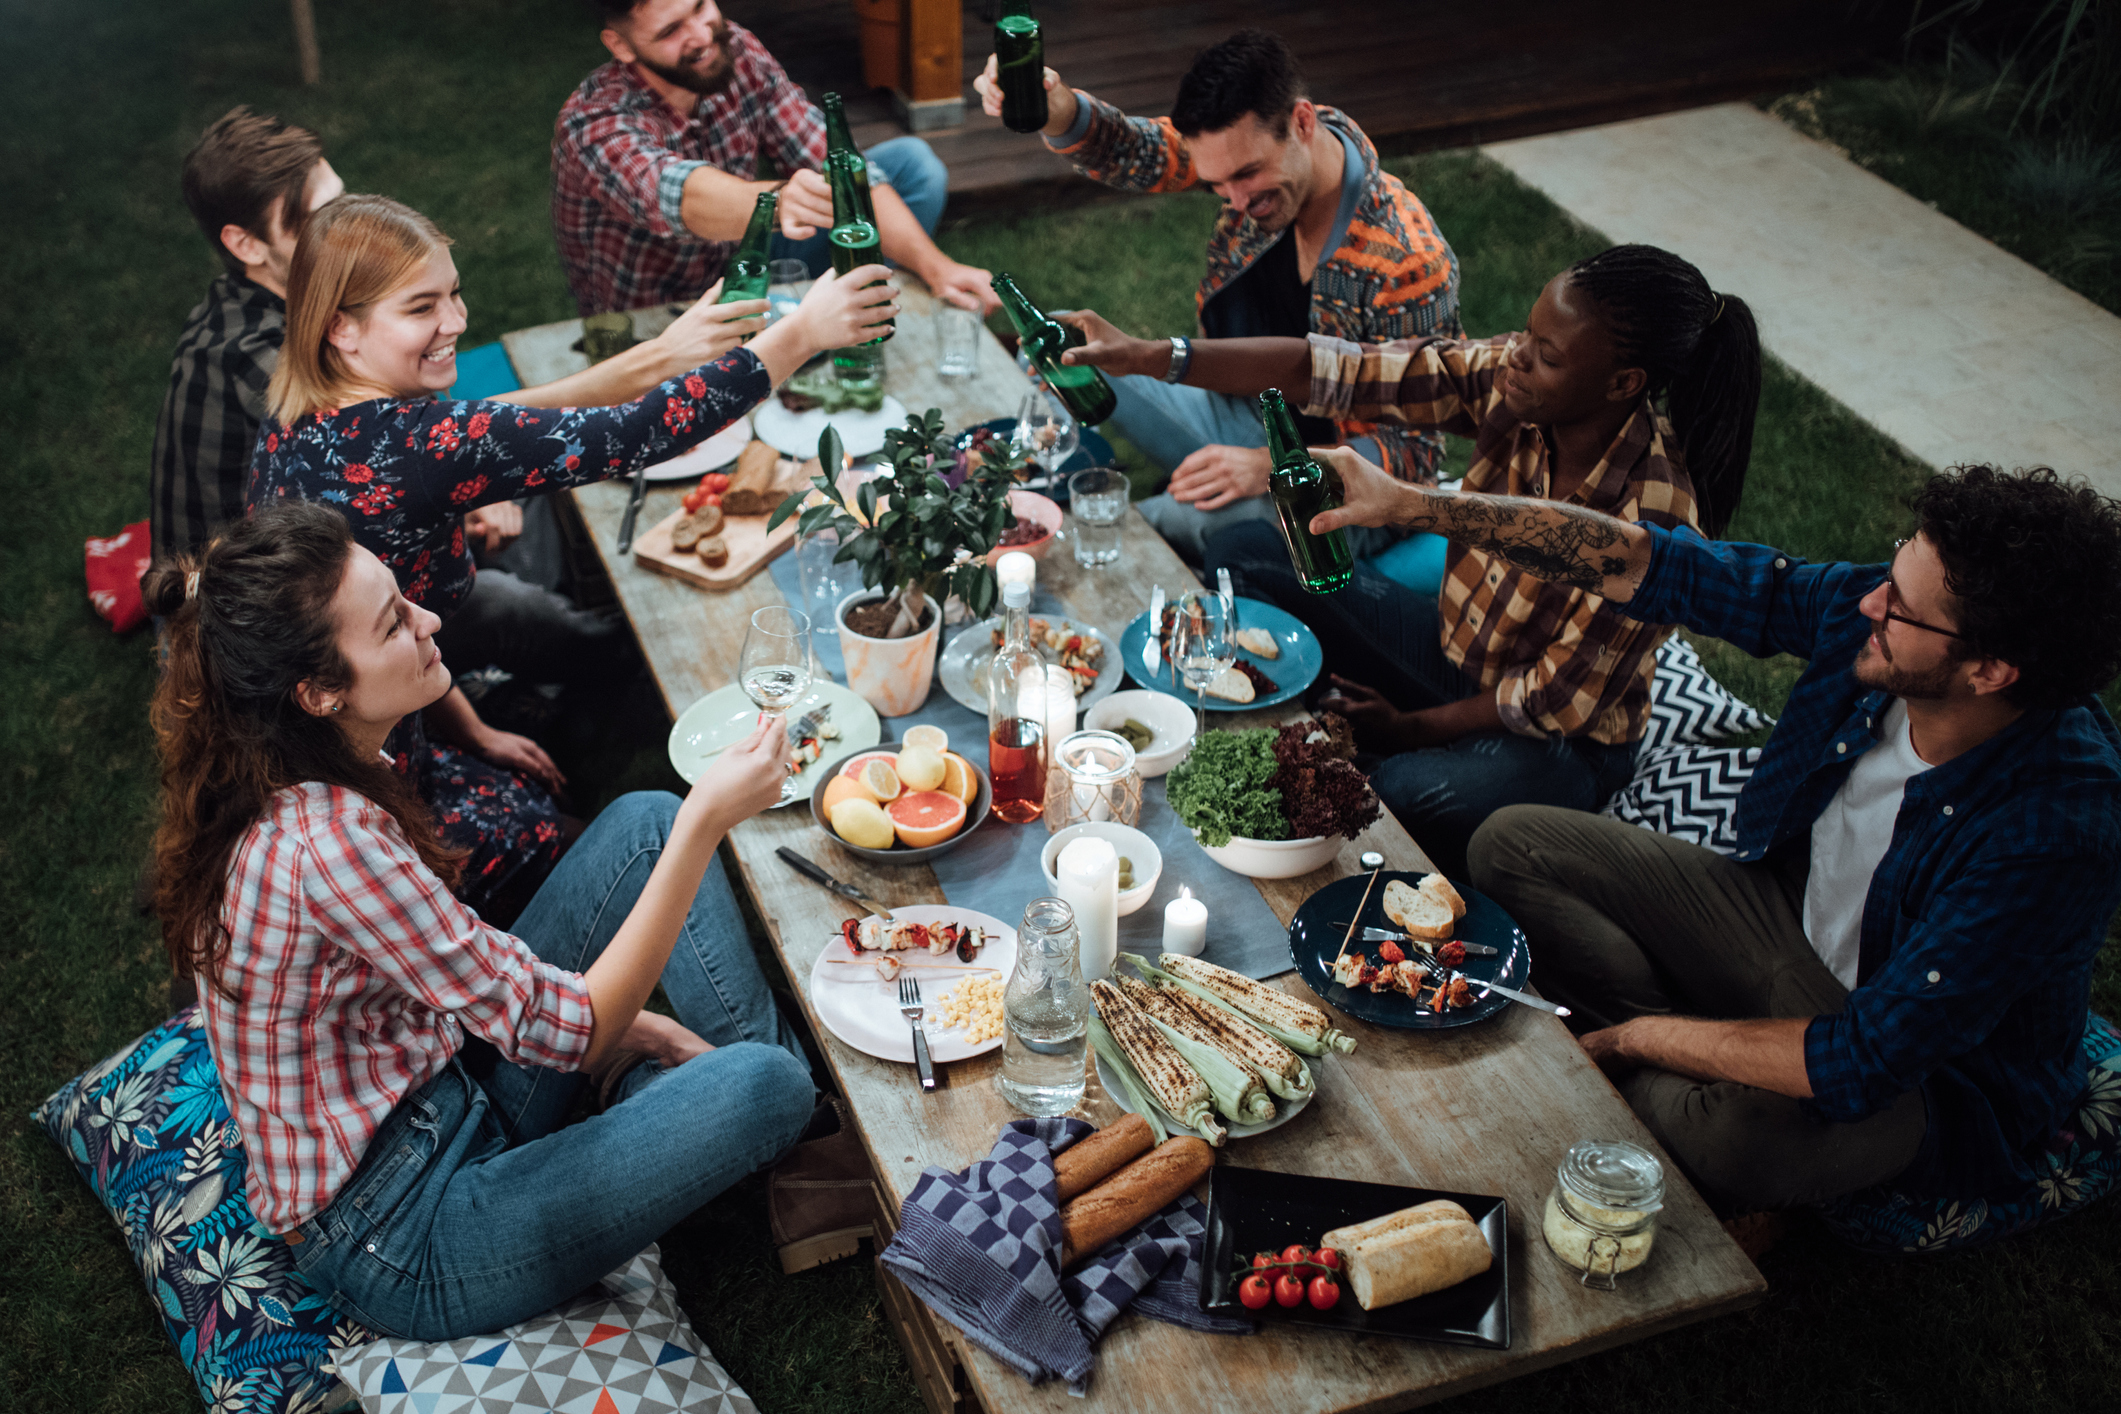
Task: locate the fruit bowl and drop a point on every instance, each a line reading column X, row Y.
column 1031, row 509
column 975, row 813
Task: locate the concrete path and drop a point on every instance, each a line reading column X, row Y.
column 1950, row 345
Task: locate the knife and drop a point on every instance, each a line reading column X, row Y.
column 1152, row 651
column 1387, row 935
column 633, row 507
column 1229, row 598
column 1541, row 1003
column 848, row 891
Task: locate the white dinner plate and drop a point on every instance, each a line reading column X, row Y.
column 726, row 716
column 1284, row 1110
column 962, row 668
column 861, row 1008
column 795, row 434
column 718, row 451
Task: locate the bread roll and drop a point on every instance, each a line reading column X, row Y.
column 1422, row 915
column 1414, row 1261
column 1097, row 1156
column 1132, row 1195
column 1344, row 1239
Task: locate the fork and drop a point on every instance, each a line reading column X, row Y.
column 810, row 721
column 909, row 1006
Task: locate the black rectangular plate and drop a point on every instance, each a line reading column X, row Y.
column 1253, row 1210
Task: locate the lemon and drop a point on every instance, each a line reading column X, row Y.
column 881, row 779
column 863, row 822
column 920, row 768
column 934, row 738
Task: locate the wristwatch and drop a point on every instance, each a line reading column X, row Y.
column 1181, row 359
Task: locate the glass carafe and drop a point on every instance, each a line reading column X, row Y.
column 1046, row 1010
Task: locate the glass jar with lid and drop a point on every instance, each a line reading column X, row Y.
column 1601, row 1217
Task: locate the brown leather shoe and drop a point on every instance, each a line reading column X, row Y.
column 819, row 1202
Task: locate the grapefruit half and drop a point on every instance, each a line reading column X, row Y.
column 926, row 817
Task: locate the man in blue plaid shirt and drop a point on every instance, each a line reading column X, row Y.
column 1889, row 981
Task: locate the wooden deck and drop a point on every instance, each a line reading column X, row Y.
column 1416, row 76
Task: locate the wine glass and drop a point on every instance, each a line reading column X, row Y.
column 1201, row 648
column 1046, row 431
column 775, row 666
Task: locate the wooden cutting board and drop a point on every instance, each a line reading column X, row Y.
column 751, row 549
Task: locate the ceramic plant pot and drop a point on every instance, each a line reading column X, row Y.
column 892, row 675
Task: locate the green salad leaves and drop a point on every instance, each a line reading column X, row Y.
column 1225, row 788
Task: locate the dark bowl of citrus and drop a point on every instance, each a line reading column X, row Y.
column 905, row 804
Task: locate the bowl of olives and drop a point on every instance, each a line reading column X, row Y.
column 1141, row 863
column 1157, row 725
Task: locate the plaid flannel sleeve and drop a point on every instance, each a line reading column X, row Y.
column 370, row 894
column 632, row 167
column 1447, row 384
column 1583, row 673
column 1132, row 154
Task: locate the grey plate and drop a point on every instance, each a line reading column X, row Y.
column 963, row 665
column 975, row 815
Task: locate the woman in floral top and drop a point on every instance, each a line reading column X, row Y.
column 356, row 421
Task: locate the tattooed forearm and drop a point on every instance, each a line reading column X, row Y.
column 1559, row 542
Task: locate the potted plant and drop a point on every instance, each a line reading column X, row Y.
column 917, row 539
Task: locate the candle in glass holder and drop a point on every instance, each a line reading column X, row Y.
column 1088, row 874
column 1185, row 924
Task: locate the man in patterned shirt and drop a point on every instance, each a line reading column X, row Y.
column 655, row 160
column 1315, row 237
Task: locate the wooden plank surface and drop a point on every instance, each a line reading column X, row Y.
column 1489, row 1108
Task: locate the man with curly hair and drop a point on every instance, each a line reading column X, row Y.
column 1888, row 982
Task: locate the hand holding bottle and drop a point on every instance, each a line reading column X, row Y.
column 838, row 312
column 806, row 205
column 708, row 330
column 1105, row 346
column 1060, row 99
column 1369, row 494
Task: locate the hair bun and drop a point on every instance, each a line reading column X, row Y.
column 162, row 587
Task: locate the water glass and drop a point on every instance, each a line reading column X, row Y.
column 1046, row 1011
column 1097, row 498
column 824, row 583
column 788, row 281
column 957, row 335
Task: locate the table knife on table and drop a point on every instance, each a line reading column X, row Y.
column 1393, row 935
column 812, row 871
column 633, row 507
column 1152, row 651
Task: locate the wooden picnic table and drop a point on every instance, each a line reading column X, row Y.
column 1489, row 1108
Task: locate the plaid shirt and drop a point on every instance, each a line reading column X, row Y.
column 1389, row 275
column 211, row 413
column 1985, row 915
column 620, row 158
column 1559, row 660
column 356, row 975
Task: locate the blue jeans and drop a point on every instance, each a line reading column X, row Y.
column 476, row 1205
column 912, row 170
column 1381, row 634
column 1170, row 422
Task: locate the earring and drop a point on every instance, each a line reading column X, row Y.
column 337, row 705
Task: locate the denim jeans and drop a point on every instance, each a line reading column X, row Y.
column 912, row 169
column 1381, row 634
column 1169, row 422
column 476, row 1205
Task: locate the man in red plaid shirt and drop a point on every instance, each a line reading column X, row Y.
column 653, row 160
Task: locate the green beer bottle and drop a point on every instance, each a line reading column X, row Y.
column 841, row 155
column 1301, row 488
column 854, row 240
column 1089, row 397
column 1020, row 68
column 745, row 276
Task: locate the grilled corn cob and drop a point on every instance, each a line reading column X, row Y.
column 1177, row 1086
column 1108, row 1050
column 1281, row 1068
column 1231, row 1079
column 1296, row 1024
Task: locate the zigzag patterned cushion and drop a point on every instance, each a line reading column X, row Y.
column 149, row 1131
column 1687, row 792
column 621, row 1347
column 1687, row 705
column 2082, row 1163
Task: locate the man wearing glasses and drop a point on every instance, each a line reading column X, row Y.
column 1888, row 980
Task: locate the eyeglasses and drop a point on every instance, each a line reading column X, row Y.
column 1892, row 597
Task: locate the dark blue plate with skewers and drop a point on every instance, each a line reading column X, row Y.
column 1314, row 941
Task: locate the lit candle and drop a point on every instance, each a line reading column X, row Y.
column 1185, row 924
column 1058, row 710
column 1016, row 567
column 1088, row 873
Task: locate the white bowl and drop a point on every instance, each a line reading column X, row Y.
column 1131, row 843
column 1167, row 716
column 1275, row 859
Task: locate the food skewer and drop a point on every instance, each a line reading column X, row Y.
column 1374, row 862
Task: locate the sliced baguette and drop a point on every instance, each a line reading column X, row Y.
column 1422, row 915
column 1231, row 684
column 1415, row 1261
column 1436, row 886
column 1259, row 642
column 1437, row 1210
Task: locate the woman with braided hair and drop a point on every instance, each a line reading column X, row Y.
column 1631, row 390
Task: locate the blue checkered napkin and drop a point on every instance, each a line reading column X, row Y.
column 983, row 1249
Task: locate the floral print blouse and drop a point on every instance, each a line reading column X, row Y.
column 404, row 471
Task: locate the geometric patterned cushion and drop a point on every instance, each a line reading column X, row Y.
column 1688, row 792
column 621, row 1347
column 1687, row 705
column 149, row 1132
column 2081, row 1163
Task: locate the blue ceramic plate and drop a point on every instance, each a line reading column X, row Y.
column 1093, row 450
column 1314, row 942
column 1296, row 669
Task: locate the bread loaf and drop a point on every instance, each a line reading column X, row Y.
column 1097, row 1156
column 1344, row 1239
column 1132, row 1195
column 1421, row 915
column 1413, row 1261
column 1436, row 886
column 754, row 485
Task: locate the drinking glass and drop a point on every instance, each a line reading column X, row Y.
column 1046, row 1014
column 1201, row 648
column 787, row 282
column 1045, row 430
column 1097, row 498
column 775, row 666
column 957, row 335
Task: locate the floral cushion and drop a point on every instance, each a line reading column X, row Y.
column 2081, row 1164
column 150, row 1132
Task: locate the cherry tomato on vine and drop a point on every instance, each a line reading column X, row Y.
column 1325, row 1293
column 1288, row 1290
column 692, row 500
column 1254, row 1292
column 1263, row 1259
column 1298, row 1254
column 1326, row 1258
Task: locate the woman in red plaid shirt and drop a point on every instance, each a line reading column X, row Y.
column 399, row 1072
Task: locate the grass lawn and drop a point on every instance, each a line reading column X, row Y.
column 449, row 107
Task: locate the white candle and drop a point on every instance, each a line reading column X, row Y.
column 1185, row 925
column 1058, row 710
column 1088, row 871
column 1014, row 568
